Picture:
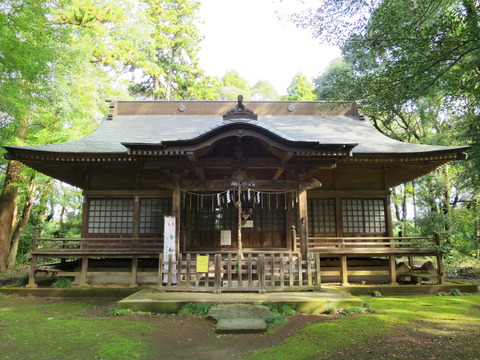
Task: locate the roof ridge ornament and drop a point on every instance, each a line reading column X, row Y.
column 240, row 111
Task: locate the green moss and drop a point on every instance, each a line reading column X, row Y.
column 198, row 309
column 66, row 330
column 328, row 339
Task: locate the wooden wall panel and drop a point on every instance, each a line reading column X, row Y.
column 360, row 178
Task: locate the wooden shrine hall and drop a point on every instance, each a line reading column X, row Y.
column 226, row 196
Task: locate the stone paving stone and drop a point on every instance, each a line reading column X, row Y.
column 241, row 325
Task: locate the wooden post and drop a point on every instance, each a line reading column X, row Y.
column 36, row 235
column 309, row 270
column 294, row 238
column 319, row 275
column 83, row 275
column 300, row 268
column 160, row 267
column 188, row 272
column 31, row 276
column 303, row 223
column 393, row 270
column 288, row 223
column 218, row 274
column 176, row 206
column 440, row 270
column 261, row 273
column 281, row 271
column 133, row 279
column 344, row 270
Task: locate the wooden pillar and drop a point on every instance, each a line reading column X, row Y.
column 288, row 224
column 303, row 223
column 31, row 276
column 440, row 270
column 83, row 275
column 176, row 206
column 261, row 273
column 133, row 279
column 319, row 274
column 393, row 270
column 218, row 274
column 344, row 270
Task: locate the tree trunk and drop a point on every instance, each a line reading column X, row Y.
column 22, row 222
column 156, row 88
column 8, row 204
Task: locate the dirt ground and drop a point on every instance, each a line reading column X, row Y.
column 188, row 337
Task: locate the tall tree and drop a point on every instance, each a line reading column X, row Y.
column 172, row 67
column 27, row 50
column 337, row 82
column 300, row 89
column 56, row 62
column 416, row 63
column 263, row 90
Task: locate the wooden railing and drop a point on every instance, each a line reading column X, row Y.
column 373, row 245
column 96, row 245
column 274, row 272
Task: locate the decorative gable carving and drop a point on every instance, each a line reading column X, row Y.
column 240, row 111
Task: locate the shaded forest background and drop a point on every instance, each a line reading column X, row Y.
column 413, row 65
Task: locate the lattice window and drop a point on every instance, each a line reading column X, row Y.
column 110, row 216
column 363, row 216
column 321, row 216
column 152, row 213
column 374, row 216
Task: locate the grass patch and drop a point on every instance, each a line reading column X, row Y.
column 25, row 328
column 62, row 283
column 199, row 309
column 400, row 328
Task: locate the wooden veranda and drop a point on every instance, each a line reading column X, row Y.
column 259, row 271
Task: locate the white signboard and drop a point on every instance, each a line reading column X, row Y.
column 169, row 246
column 225, row 237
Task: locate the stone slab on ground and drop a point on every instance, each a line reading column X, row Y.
column 229, row 311
column 241, row 325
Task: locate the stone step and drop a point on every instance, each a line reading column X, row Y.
column 241, row 325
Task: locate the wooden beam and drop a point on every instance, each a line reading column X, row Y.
column 393, row 270
column 344, row 270
column 278, row 173
column 222, row 185
column 303, row 222
column 176, row 206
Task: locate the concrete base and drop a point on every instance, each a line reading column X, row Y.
column 154, row 301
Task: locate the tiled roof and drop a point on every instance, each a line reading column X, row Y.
column 158, row 128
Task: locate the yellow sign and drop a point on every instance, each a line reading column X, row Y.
column 202, row 264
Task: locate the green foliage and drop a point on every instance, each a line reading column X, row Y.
column 337, row 82
column 456, row 292
column 169, row 62
column 354, row 310
column 368, row 307
column 278, row 308
column 300, row 89
column 197, row 309
column 276, row 320
column 331, row 309
column 62, row 283
column 414, row 65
